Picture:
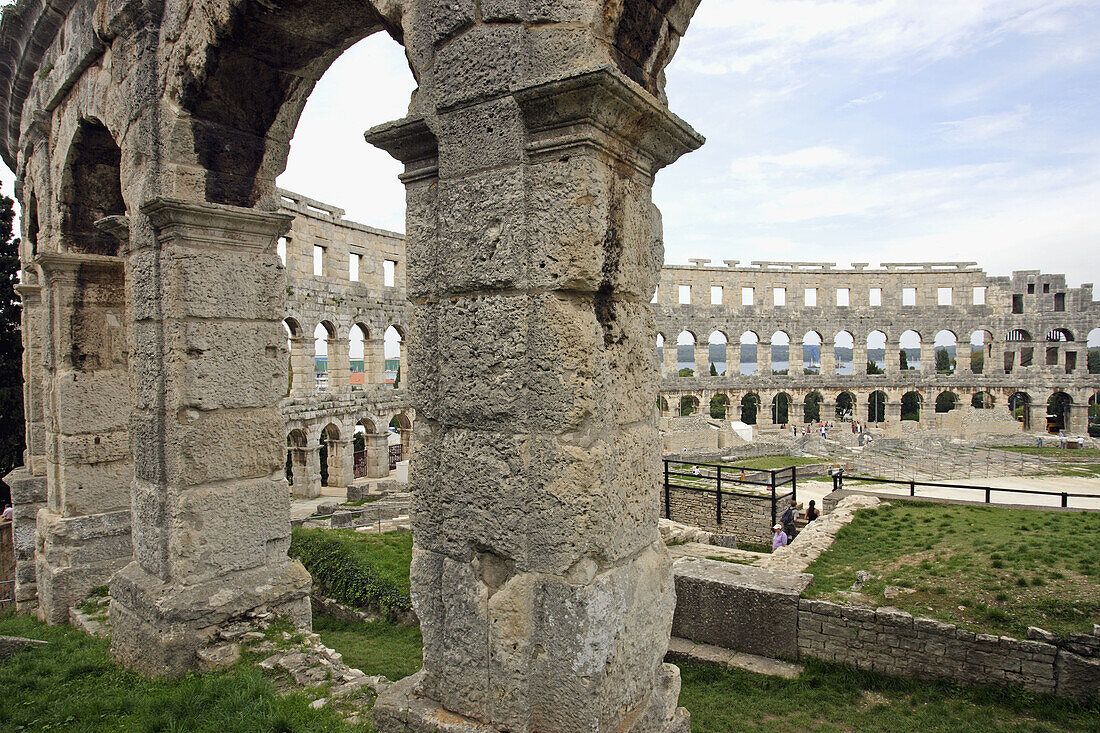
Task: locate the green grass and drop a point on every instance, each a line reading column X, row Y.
column 72, row 685
column 771, row 463
column 377, row 647
column 1054, row 452
column 360, row 569
column 836, row 698
column 989, row 569
column 361, row 502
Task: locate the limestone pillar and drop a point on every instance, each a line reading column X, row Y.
column 893, row 411
column 797, row 412
column 374, row 361
column 1077, row 418
column 828, row 362
column 891, row 358
column 828, row 411
column 378, row 455
column 210, row 501
column 927, row 357
column 859, row 358
column 82, row 534
column 733, row 358
column 302, row 366
column 763, row 359
column 702, row 359
column 544, row 593
column 307, row 482
column 341, row 461
column 994, row 362
column 1082, row 366
column 795, row 359
column 313, row 464
column 339, row 366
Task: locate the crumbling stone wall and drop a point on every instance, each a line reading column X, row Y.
column 1038, row 351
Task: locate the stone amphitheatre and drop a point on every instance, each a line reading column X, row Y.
column 167, row 284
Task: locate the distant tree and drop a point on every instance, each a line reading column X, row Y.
column 748, row 411
column 717, row 408
column 11, row 350
column 397, row 377
column 904, row 360
column 713, row 370
column 943, row 362
column 686, row 372
column 1094, row 361
column 687, row 406
column 873, row 368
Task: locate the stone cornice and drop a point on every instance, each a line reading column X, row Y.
column 217, row 225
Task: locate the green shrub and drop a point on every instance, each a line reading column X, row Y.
column 357, row 569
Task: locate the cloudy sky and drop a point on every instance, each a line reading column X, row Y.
column 837, row 130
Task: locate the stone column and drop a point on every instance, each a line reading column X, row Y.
column 544, row 593
column 341, row 461
column 1082, row 366
column 733, row 358
column 763, row 359
column 795, row 359
column 211, row 513
column 891, row 359
column 893, row 411
column 307, row 483
column 994, row 357
column 302, row 382
column 339, row 366
column 927, row 357
column 374, row 362
column 702, row 359
column 82, row 535
column 828, row 362
column 798, row 411
column 378, row 455
column 828, row 411
column 859, row 358
column 1077, row 418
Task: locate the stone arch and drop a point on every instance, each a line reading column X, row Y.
column 946, row 401
column 981, row 352
column 781, row 409
column 299, row 378
column 780, row 363
column 717, row 349
column 750, row 353
column 689, row 405
column 945, row 347
column 395, row 368
column 324, row 355
column 1019, row 404
column 1059, row 412
column 358, row 353
column 811, row 352
column 403, row 424
column 686, row 344
column 845, row 406
column 299, row 472
column 750, row 408
column 91, row 190
column 843, row 342
column 909, row 341
column 330, row 452
column 876, row 352
column 911, row 405
column 876, row 406
column 1059, row 334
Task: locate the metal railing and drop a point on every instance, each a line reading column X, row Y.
column 714, row 478
column 912, row 484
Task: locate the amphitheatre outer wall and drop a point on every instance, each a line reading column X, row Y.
column 1032, row 345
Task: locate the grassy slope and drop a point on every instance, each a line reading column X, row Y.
column 72, row 685
column 990, row 569
column 376, row 648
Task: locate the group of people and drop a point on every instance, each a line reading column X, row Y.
column 784, row 530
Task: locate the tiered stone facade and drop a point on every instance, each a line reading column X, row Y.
column 1034, row 330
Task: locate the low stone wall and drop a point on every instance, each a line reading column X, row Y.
column 747, row 519
column 738, row 606
column 894, row 642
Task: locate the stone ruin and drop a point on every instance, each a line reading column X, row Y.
column 146, row 139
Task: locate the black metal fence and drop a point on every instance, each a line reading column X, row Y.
column 721, row 480
column 1064, row 496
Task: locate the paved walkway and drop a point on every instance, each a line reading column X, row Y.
column 1070, row 484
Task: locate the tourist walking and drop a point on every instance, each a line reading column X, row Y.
column 788, row 519
column 811, row 512
column 779, row 537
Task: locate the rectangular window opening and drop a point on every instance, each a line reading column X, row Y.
column 779, row 296
column 874, row 296
column 1017, row 303
column 389, row 273
column 908, row 296
column 353, row 267
column 684, row 295
column 716, row 295
column 1031, row 288
column 318, row 260
column 843, row 297
column 747, row 296
column 810, row 296
column 943, row 296
column 1060, row 302
column 280, row 248
column 1046, row 287
column 979, row 295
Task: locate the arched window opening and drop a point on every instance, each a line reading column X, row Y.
column 843, row 348
column 329, row 453
column 781, row 408
column 322, row 335
column 1019, row 404
column 876, row 407
column 812, row 407
column 1058, row 413
column 946, row 401
column 981, row 352
column 780, row 353
column 982, row 401
column 909, row 351
column 811, row 352
column 946, row 347
column 910, row 406
column 719, row 406
column 750, row 347
column 1094, row 415
column 357, row 356
column 845, row 406
column 1093, row 346
column 688, row 405
column 91, row 189
column 876, row 352
column 394, row 351
column 750, row 407
column 685, row 354
column 716, row 354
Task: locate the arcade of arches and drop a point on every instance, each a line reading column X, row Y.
column 156, row 330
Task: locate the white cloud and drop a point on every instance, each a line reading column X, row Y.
column 983, row 128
